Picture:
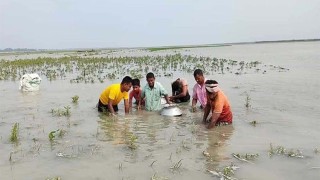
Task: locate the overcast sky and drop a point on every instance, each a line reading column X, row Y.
column 58, row 24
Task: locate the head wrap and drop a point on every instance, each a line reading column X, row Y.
column 212, row 88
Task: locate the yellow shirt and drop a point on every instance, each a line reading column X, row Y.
column 113, row 92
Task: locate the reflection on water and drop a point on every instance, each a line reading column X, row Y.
column 217, row 145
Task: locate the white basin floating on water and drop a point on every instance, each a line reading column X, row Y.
column 171, row 110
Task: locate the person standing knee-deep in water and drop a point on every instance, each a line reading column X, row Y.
column 153, row 92
column 135, row 93
column 199, row 90
column 113, row 94
column 218, row 104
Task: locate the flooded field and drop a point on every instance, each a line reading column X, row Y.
column 273, row 90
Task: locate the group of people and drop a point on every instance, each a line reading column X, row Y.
column 207, row 92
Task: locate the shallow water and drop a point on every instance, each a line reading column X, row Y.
column 94, row 146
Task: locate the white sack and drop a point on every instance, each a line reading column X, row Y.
column 30, row 82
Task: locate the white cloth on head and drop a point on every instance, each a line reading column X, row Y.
column 212, row 88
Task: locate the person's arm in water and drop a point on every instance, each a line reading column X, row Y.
column 130, row 99
column 194, row 103
column 194, row 99
column 126, row 106
column 206, row 112
column 110, row 107
column 167, row 99
column 214, row 119
column 140, row 99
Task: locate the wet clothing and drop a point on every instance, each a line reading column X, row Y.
column 104, row 108
column 153, row 96
column 199, row 93
column 112, row 92
column 220, row 104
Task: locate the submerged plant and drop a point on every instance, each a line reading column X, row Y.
column 280, row 150
column 248, row 99
column 75, row 99
column 226, row 173
column 246, row 157
column 57, row 133
column 176, row 166
column 253, row 123
column 131, row 141
column 61, row 112
column 14, row 133
column 156, row 177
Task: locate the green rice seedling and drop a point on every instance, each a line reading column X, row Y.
column 246, row 157
column 226, row 173
column 153, row 163
column 67, row 111
column 280, row 150
column 10, row 157
column 131, row 141
column 75, row 99
column 248, row 99
column 253, row 123
column 176, row 166
column 14, row 133
column 156, row 177
column 53, row 134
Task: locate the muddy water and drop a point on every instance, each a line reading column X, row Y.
column 94, row 146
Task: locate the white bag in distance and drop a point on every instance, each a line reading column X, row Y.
column 30, row 82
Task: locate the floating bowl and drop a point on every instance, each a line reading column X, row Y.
column 171, row 111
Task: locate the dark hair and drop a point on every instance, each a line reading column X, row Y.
column 135, row 82
column 126, row 80
column 211, row 82
column 175, row 85
column 150, row 75
column 197, row 72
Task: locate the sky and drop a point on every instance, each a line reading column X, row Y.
column 63, row 24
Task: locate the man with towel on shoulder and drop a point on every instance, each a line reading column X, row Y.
column 218, row 104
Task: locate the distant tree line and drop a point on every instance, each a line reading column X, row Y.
column 20, row 50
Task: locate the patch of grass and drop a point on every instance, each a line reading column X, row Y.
column 131, row 141
column 280, row 150
column 253, row 123
column 14, row 133
column 75, row 99
column 61, row 112
column 57, row 133
column 176, row 166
